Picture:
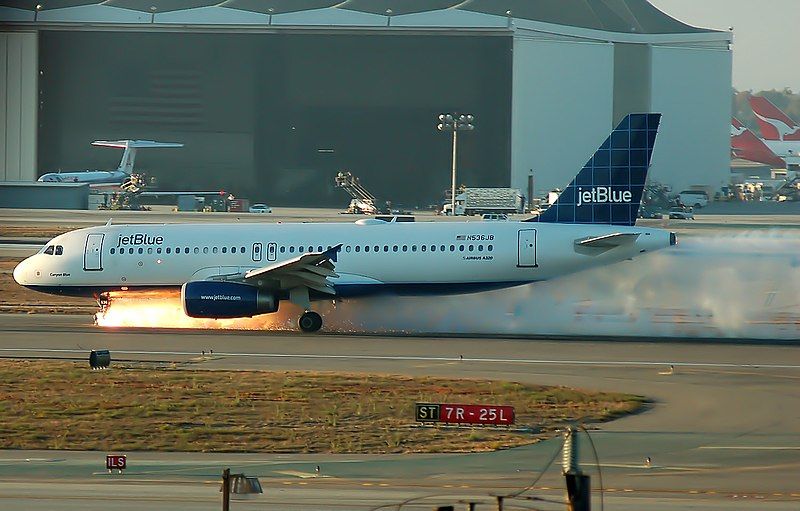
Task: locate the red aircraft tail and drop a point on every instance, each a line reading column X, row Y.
column 747, row 146
column 773, row 123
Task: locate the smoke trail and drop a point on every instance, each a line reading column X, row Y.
column 739, row 286
column 744, row 286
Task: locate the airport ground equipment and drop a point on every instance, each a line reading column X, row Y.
column 362, row 200
column 477, row 201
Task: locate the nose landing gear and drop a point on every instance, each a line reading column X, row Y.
column 310, row 321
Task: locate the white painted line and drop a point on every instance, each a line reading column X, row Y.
column 752, row 447
column 397, row 358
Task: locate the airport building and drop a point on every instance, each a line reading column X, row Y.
column 272, row 98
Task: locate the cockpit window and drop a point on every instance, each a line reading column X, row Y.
column 59, row 250
column 49, row 250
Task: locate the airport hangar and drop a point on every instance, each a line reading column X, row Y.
column 273, row 97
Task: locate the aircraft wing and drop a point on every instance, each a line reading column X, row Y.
column 608, row 240
column 310, row 270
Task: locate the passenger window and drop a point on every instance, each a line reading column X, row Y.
column 490, row 248
column 141, row 250
column 480, row 248
column 472, row 248
column 347, row 248
column 205, row 250
column 49, row 250
column 149, row 250
column 291, row 250
column 377, row 248
column 130, row 250
column 424, row 248
column 366, row 248
column 413, row 248
column 283, row 249
column 224, row 250
column 433, row 248
column 214, row 250
column 241, row 250
column 394, row 248
column 169, row 250
column 319, row 248
column 405, row 248
column 233, row 250
column 186, row 250
column 441, row 248
column 310, row 249
column 196, row 250
column 113, row 250
column 461, row 248
column 386, row 248
column 158, row 250
column 59, row 250
column 452, row 248
column 358, row 248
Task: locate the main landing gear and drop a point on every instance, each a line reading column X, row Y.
column 310, row 321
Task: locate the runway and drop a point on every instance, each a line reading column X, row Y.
column 722, row 430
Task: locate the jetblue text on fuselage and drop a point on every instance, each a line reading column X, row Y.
column 603, row 194
column 139, row 239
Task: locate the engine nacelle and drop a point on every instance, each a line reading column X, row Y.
column 209, row 299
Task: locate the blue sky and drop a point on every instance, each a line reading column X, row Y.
column 766, row 51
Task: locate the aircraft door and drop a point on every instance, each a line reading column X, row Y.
column 92, row 254
column 527, row 248
column 257, row 249
column 272, row 251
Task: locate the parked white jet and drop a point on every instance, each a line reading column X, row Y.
column 242, row 270
column 109, row 178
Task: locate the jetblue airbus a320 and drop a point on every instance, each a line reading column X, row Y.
column 242, row 270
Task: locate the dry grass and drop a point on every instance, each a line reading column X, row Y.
column 64, row 405
column 35, row 231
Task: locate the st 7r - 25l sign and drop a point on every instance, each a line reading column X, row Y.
column 465, row 414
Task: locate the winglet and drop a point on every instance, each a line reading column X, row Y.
column 332, row 253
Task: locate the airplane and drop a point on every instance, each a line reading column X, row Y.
column 779, row 132
column 747, row 146
column 244, row 270
column 122, row 178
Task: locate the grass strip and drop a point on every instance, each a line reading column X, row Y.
column 65, row 405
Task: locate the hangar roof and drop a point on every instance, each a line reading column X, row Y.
column 625, row 16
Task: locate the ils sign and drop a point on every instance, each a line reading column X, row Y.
column 116, row 462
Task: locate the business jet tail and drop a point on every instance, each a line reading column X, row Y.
column 608, row 189
column 130, row 147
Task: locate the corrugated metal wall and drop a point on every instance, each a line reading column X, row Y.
column 18, row 110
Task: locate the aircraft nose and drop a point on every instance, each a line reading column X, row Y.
column 21, row 272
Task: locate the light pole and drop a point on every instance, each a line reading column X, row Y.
column 455, row 122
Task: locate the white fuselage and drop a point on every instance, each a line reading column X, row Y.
column 443, row 256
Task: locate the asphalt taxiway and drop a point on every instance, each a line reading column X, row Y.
column 723, row 430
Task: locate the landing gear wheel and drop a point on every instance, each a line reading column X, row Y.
column 310, row 322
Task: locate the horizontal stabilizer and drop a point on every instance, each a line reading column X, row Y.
column 135, row 144
column 608, row 240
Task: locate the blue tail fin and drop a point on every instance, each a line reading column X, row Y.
column 608, row 189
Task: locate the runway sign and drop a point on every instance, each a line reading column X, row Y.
column 465, row 414
column 116, row 462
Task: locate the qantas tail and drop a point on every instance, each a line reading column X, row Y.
column 130, row 147
column 608, row 189
column 773, row 123
column 747, row 146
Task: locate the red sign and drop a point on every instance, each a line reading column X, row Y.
column 476, row 414
column 116, row 461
